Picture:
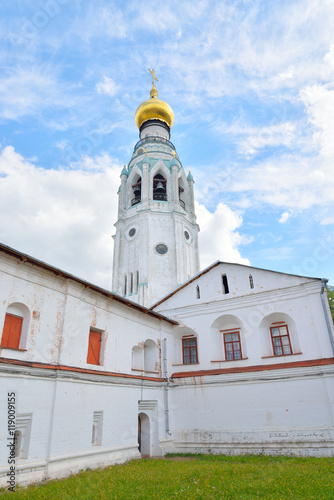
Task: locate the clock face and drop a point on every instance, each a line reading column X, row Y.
column 186, row 235
column 132, row 232
column 161, row 248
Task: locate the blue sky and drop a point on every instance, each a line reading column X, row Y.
column 251, row 86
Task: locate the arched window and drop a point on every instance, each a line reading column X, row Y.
column 198, row 292
column 15, row 328
column 131, row 283
column 225, row 284
column 137, row 281
column 182, row 194
column 251, row 281
column 159, row 188
column 136, row 191
column 125, row 284
column 280, row 339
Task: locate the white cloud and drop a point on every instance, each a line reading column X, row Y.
column 107, row 86
column 319, row 102
column 218, row 238
column 252, row 139
column 62, row 217
column 284, row 217
column 66, row 217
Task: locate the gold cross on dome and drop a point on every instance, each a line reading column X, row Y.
column 153, row 76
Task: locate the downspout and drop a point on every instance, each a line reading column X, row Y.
column 165, row 374
column 328, row 322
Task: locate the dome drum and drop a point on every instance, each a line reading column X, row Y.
column 154, row 122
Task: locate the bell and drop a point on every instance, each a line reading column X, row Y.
column 136, row 191
column 160, row 187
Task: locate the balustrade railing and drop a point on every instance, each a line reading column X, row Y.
column 154, row 138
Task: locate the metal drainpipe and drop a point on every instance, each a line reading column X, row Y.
column 328, row 323
column 166, row 388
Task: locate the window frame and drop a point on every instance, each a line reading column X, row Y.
column 8, row 342
column 90, row 350
column 280, row 325
column 231, row 332
column 188, row 348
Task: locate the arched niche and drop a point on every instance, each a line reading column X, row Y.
column 183, row 191
column 265, row 335
column 225, row 322
column 137, row 358
column 151, row 356
column 134, row 187
column 160, row 173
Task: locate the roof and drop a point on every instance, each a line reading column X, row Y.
column 59, row 272
column 215, row 264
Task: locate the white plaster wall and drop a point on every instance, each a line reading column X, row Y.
column 210, row 284
column 284, row 413
column 65, row 311
column 62, row 418
column 298, row 305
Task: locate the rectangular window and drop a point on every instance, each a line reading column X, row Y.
column 232, row 345
column 189, row 347
column 12, row 329
column 225, row 284
column 22, row 434
column 97, row 428
column 94, row 347
column 281, row 340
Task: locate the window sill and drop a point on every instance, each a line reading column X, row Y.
column 281, row 355
column 226, row 360
column 12, row 348
column 182, row 364
column 143, row 371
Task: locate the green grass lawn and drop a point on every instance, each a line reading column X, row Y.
column 196, row 477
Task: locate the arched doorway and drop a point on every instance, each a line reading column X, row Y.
column 144, row 441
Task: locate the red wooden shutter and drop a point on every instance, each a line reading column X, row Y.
column 12, row 329
column 94, row 345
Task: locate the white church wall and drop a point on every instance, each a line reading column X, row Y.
column 62, row 312
column 298, row 306
column 58, row 395
column 62, row 417
column 278, row 412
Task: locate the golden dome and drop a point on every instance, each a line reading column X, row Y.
column 154, row 108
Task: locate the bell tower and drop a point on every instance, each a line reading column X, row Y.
column 156, row 240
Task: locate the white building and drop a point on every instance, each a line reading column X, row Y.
column 236, row 359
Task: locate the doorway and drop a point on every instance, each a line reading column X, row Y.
column 144, row 441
